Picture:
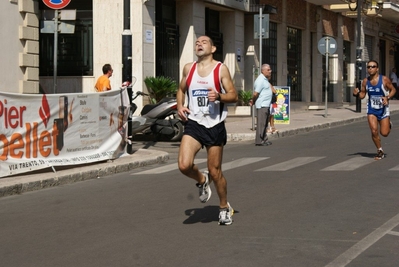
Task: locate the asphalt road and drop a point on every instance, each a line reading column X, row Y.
column 316, row 199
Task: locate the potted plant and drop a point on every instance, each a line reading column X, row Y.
column 244, row 97
column 160, row 87
column 242, row 108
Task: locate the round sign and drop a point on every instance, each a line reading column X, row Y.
column 327, row 45
column 56, row 4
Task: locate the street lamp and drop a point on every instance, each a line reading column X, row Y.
column 369, row 8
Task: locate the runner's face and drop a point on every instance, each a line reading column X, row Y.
column 372, row 68
column 203, row 46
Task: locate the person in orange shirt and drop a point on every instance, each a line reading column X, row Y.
column 103, row 84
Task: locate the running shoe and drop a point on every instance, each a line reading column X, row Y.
column 380, row 155
column 204, row 189
column 226, row 215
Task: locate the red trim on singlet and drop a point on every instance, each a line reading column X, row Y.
column 216, row 75
column 216, row 80
column 190, row 74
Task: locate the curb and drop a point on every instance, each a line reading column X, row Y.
column 26, row 183
column 285, row 133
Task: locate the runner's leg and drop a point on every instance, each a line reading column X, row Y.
column 373, row 124
column 189, row 147
column 385, row 128
column 215, row 155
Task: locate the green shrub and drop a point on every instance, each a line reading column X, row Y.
column 244, row 97
column 160, row 87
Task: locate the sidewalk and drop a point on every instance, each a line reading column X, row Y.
column 302, row 121
column 238, row 129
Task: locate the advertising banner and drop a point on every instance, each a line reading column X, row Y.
column 281, row 109
column 44, row 130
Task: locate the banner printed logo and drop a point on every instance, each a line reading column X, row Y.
column 44, row 111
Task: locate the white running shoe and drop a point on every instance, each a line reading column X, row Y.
column 205, row 191
column 226, row 215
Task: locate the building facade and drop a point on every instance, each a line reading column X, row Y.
column 163, row 36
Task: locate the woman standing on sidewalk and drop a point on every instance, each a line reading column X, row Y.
column 379, row 90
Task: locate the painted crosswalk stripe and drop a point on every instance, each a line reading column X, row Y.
column 396, row 168
column 290, row 164
column 350, row 164
column 167, row 168
column 239, row 163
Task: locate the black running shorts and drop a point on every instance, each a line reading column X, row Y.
column 214, row 136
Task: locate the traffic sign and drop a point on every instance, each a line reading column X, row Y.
column 56, row 4
column 327, row 45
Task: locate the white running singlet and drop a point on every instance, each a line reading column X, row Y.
column 202, row 110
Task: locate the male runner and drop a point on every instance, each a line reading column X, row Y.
column 379, row 89
column 209, row 87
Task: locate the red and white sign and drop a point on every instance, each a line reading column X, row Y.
column 56, row 4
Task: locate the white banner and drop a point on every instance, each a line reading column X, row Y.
column 40, row 131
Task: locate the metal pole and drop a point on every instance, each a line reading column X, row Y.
column 127, row 70
column 260, row 39
column 56, row 12
column 358, row 56
column 260, row 61
column 253, row 104
column 326, row 93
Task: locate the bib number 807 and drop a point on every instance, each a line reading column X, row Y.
column 202, row 101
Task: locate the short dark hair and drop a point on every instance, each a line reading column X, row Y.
column 106, row 68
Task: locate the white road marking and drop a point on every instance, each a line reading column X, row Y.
column 239, row 163
column 290, row 164
column 349, row 255
column 350, row 164
column 225, row 166
column 167, row 168
column 393, row 233
column 396, row 168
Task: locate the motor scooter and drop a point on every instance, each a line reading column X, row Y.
column 160, row 119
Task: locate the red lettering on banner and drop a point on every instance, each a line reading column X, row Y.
column 31, row 144
column 13, row 116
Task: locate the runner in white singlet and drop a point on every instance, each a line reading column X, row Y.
column 208, row 86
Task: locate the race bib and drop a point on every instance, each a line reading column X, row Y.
column 200, row 102
column 376, row 102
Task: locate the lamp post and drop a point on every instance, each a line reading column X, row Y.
column 358, row 57
column 369, row 8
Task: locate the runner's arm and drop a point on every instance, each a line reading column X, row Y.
column 181, row 94
column 231, row 94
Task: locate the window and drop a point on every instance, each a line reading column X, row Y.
column 75, row 51
column 294, row 62
column 269, row 51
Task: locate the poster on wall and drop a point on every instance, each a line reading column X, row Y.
column 281, row 109
column 45, row 130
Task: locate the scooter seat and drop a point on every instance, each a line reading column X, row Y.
column 149, row 107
